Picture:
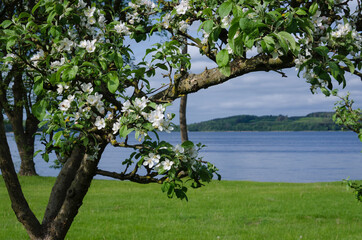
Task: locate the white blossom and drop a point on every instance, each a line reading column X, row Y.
column 205, row 37
column 10, row 55
column 102, row 20
column 89, row 12
column 141, row 103
column 183, row 26
column 56, row 64
column 126, row 106
column 59, row 88
column 182, row 7
column 65, row 45
column 148, row 3
column 156, row 117
column 166, row 20
column 167, row 126
column 91, row 20
column 100, row 107
column 81, row 4
column 64, row 105
column 36, row 57
column 151, row 160
column 225, row 22
column 121, row 28
column 88, row 45
column 229, row 49
column 94, row 99
column 100, row 123
column 167, row 164
column 178, row 149
column 116, row 127
column 71, row 98
column 87, row 87
column 343, row 30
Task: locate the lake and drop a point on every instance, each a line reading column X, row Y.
column 256, row 156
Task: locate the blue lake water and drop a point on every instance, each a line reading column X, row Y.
column 256, row 156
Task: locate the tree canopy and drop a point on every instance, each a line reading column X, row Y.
column 90, row 96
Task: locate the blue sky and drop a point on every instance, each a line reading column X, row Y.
column 260, row 93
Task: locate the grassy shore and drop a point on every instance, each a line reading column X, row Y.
column 221, row 210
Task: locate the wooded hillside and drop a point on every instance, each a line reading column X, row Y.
column 319, row 121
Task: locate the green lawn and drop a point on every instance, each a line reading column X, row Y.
column 220, row 210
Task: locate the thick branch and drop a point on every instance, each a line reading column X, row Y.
column 18, row 201
column 132, row 177
column 211, row 77
column 64, row 180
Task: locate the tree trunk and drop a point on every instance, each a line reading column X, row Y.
column 25, row 140
column 183, row 123
column 24, row 135
column 183, row 102
column 18, row 201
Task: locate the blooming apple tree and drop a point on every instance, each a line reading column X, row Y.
column 91, row 95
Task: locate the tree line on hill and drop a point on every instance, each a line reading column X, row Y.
column 318, row 121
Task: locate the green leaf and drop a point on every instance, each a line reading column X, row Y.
column 38, row 87
column 36, row 7
column 268, row 44
column 289, row 37
column 225, row 9
column 11, row 42
column 313, row 8
column 238, row 46
column 45, row 157
column 301, row 12
column 124, row 131
column 36, row 153
column 226, row 71
column 70, row 73
column 334, row 69
column 247, row 25
column 113, row 82
column 59, row 9
column 57, row 137
column 222, row 58
column 282, row 42
column 6, row 23
column 24, row 15
column 325, row 91
column 208, row 26
column 39, row 109
column 118, row 60
column 51, row 17
column 322, row 51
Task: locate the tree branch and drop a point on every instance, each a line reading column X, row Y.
column 150, row 178
column 211, row 77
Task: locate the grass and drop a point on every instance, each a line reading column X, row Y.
column 221, row 210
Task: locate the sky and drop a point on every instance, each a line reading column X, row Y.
column 259, row 93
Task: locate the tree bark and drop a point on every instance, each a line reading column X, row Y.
column 68, row 192
column 183, row 102
column 24, row 135
column 18, row 201
column 210, row 77
column 183, row 123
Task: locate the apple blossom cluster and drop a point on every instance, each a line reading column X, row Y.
column 182, row 8
column 178, row 24
column 85, row 99
column 139, row 8
column 141, row 109
column 186, row 156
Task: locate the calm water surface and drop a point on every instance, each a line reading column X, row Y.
column 257, row 156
